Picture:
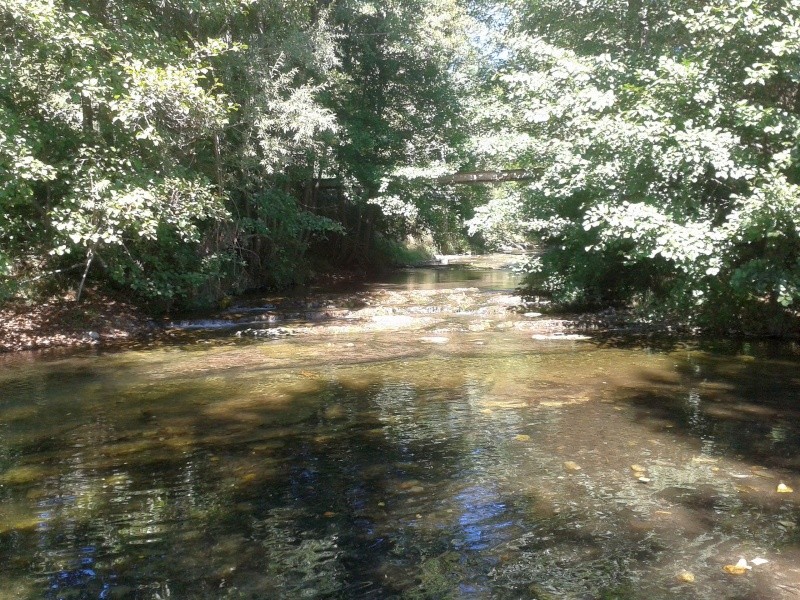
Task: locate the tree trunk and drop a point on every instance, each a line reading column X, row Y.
column 87, row 114
column 89, row 258
column 634, row 23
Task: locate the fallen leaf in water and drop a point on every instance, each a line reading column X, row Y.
column 522, row 438
column 740, row 568
column 734, row 570
column 758, row 561
column 686, row 577
column 571, row 466
column 784, row 489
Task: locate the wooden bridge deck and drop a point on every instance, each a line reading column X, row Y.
column 466, row 178
column 485, row 177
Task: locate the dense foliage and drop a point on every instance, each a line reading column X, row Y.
column 184, row 150
column 663, row 141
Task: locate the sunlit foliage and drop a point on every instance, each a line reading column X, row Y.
column 663, row 142
column 176, row 148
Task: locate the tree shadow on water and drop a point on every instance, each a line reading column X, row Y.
column 739, row 407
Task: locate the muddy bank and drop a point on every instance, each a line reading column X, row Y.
column 60, row 322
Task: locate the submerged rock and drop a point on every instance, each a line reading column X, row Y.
column 434, row 340
column 270, row 332
column 559, row 336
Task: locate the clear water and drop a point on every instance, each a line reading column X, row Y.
column 372, row 464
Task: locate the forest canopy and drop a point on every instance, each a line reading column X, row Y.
column 184, row 150
column 662, row 137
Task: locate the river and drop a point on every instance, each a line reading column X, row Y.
column 421, row 437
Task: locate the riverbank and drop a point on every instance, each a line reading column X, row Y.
column 100, row 320
column 59, row 322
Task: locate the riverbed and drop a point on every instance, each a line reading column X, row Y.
column 428, row 436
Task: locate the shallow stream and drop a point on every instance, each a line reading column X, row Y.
column 413, row 440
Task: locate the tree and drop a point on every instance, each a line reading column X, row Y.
column 664, row 153
column 102, row 121
column 176, row 149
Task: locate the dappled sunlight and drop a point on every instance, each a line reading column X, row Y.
column 373, row 464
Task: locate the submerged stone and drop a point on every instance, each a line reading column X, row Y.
column 22, row 475
column 434, row 340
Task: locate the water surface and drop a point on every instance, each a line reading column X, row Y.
column 443, row 462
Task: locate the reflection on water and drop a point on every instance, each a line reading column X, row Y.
column 453, row 276
column 373, row 466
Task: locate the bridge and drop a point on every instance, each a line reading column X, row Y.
column 463, row 178
column 472, row 177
